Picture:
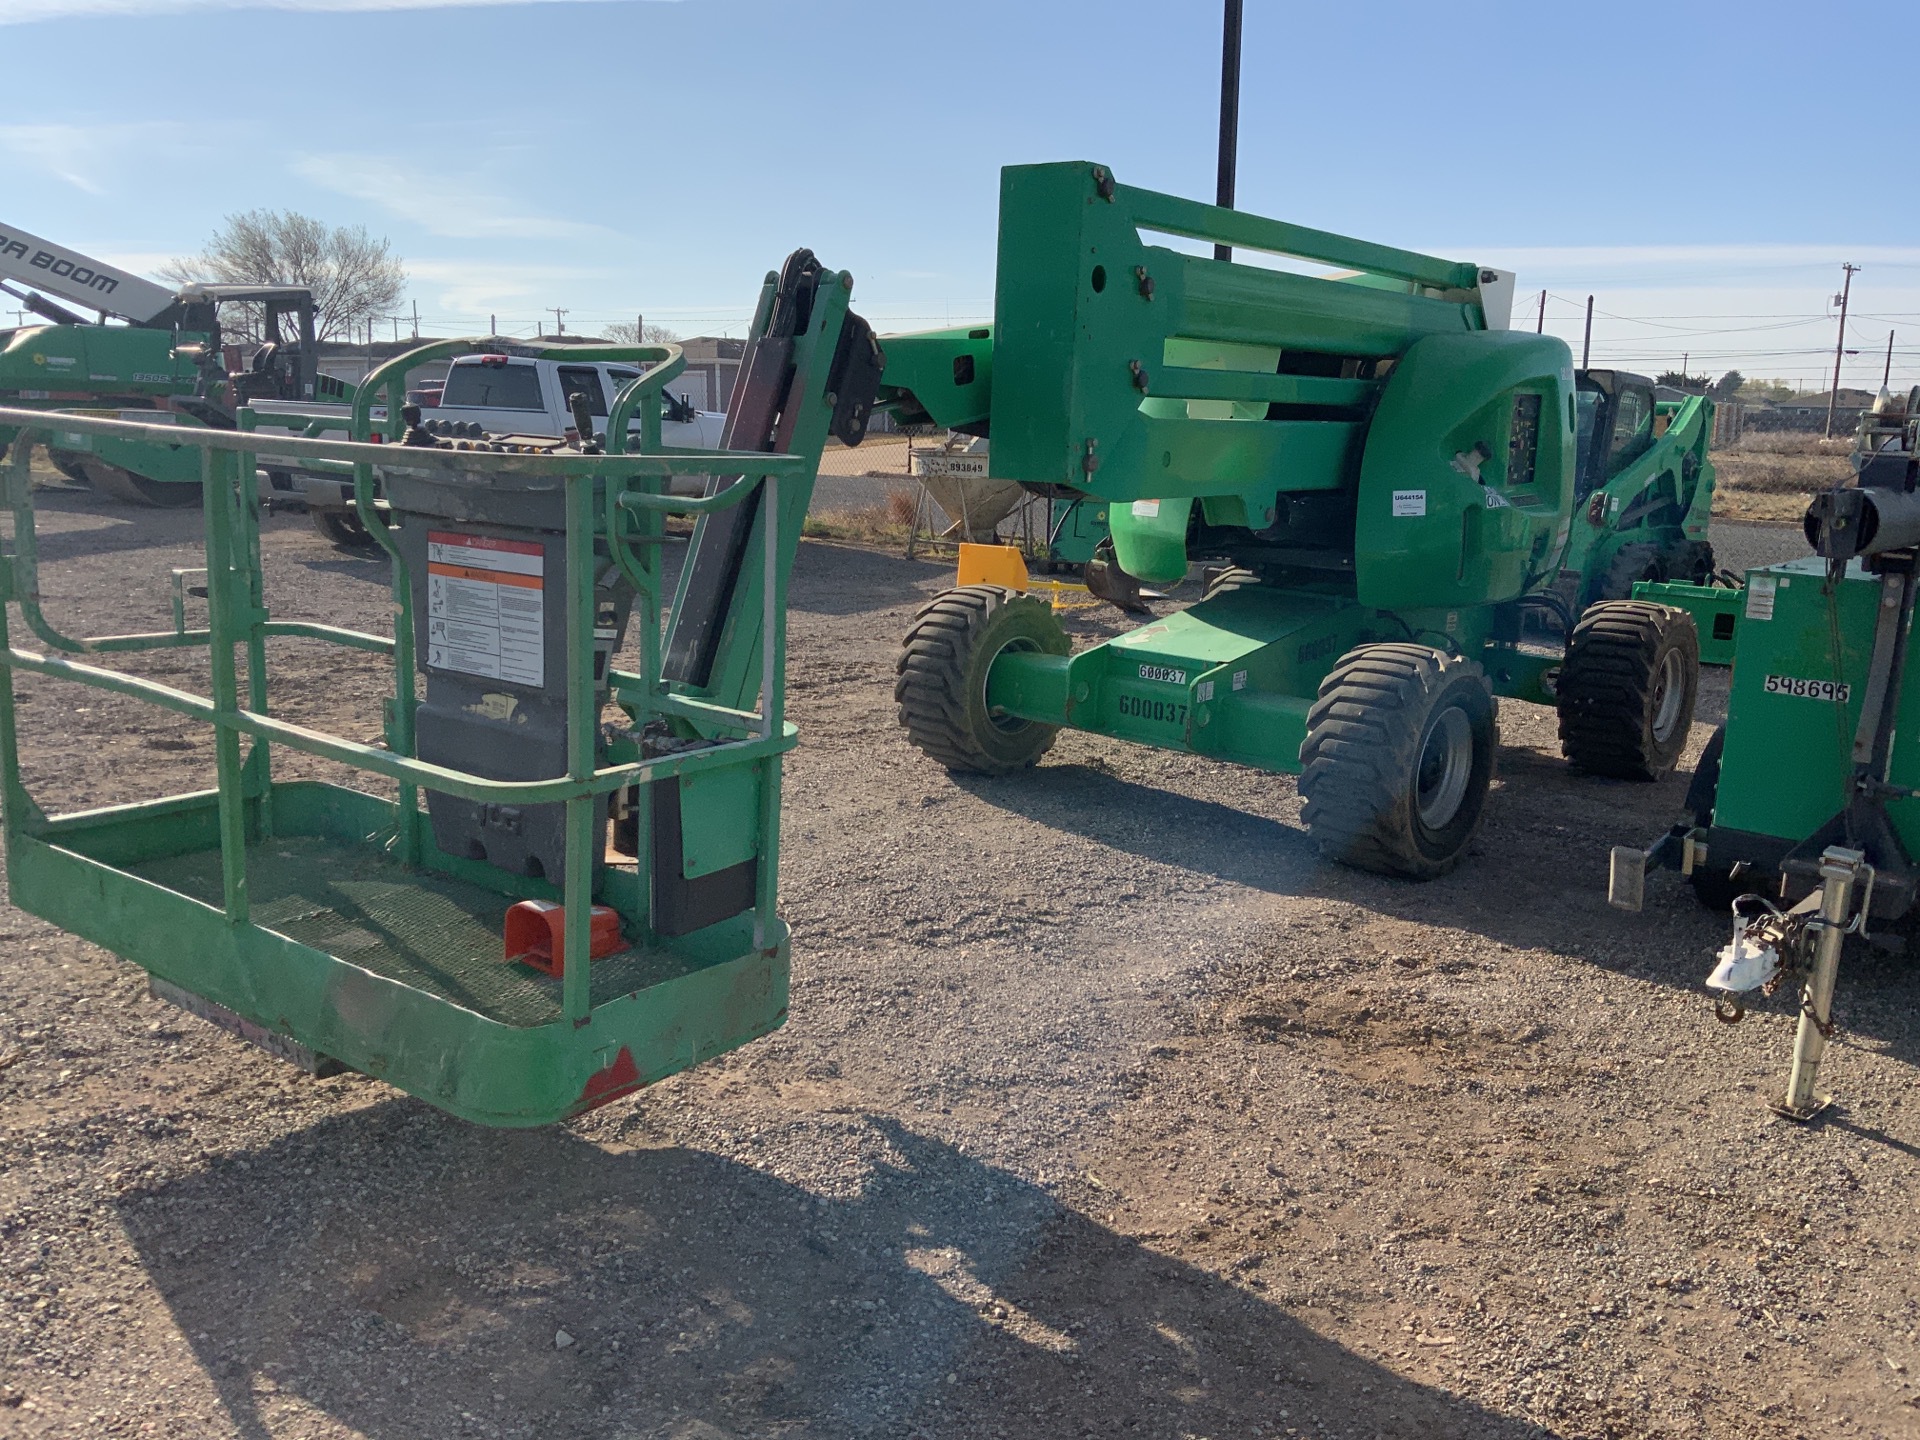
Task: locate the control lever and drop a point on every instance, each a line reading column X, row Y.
column 583, row 423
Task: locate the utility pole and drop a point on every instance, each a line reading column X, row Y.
column 493, row 324
column 1229, row 114
column 640, row 329
column 416, row 319
column 1886, row 376
column 1586, row 345
column 559, row 321
column 1685, row 356
column 1540, row 325
column 1840, row 344
column 396, row 328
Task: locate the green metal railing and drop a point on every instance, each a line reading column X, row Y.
column 635, row 505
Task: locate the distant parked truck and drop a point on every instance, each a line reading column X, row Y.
column 514, row 395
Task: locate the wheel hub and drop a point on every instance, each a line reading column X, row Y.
column 1446, row 766
column 1669, row 692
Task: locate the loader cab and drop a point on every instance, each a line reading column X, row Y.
column 1615, row 413
column 287, row 362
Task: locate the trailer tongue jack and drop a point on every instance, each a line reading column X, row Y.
column 1774, row 945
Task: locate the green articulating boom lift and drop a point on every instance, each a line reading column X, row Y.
column 1393, row 477
column 549, row 911
column 167, row 358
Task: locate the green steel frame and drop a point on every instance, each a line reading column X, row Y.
column 176, row 885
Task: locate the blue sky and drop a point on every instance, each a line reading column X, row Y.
column 1701, row 168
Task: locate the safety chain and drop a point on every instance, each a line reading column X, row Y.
column 1793, row 937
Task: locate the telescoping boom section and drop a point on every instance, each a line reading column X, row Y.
column 542, row 911
column 1384, row 472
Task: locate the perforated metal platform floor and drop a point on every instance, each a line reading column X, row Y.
column 424, row 930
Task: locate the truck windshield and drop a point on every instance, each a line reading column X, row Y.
column 513, row 386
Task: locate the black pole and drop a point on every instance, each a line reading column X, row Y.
column 1229, row 114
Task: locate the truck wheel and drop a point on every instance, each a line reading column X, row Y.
column 1626, row 689
column 1397, row 760
column 1630, row 564
column 342, row 528
column 942, row 689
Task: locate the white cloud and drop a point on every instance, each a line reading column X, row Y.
column 467, row 289
column 23, row 12
column 437, row 204
column 1689, row 266
column 83, row 155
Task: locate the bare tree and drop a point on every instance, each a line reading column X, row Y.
column 622, row 332
column 353, row 276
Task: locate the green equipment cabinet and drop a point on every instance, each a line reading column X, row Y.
column 1391, row 476
column 344, row 927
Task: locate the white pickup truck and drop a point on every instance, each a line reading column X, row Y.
column 518, row 396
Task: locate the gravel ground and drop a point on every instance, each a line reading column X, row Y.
column 1105, row 1108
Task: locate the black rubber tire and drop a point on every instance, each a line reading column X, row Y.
column 1714, row 887
column 67, row 465
column 1639, row 560
column 1370, row 745
column 1105, row 580
column 1703, row 793
column 1689, row 561
column 1231, row 577
column 342, row 528
column 942, row 687
column 123, row 485
column 1620, row 713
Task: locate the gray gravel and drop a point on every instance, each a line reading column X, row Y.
column 1105, row 1108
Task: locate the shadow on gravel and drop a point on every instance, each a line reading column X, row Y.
column 406, row 1275
column 118, row 526
column 1164, row 826
column 830, row 578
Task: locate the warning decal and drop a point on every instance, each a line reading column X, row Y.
column 486, row 604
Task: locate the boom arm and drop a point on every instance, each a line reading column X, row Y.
column 80, row 278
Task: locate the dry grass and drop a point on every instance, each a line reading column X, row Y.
column 882, row 524
column 1771, row 477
